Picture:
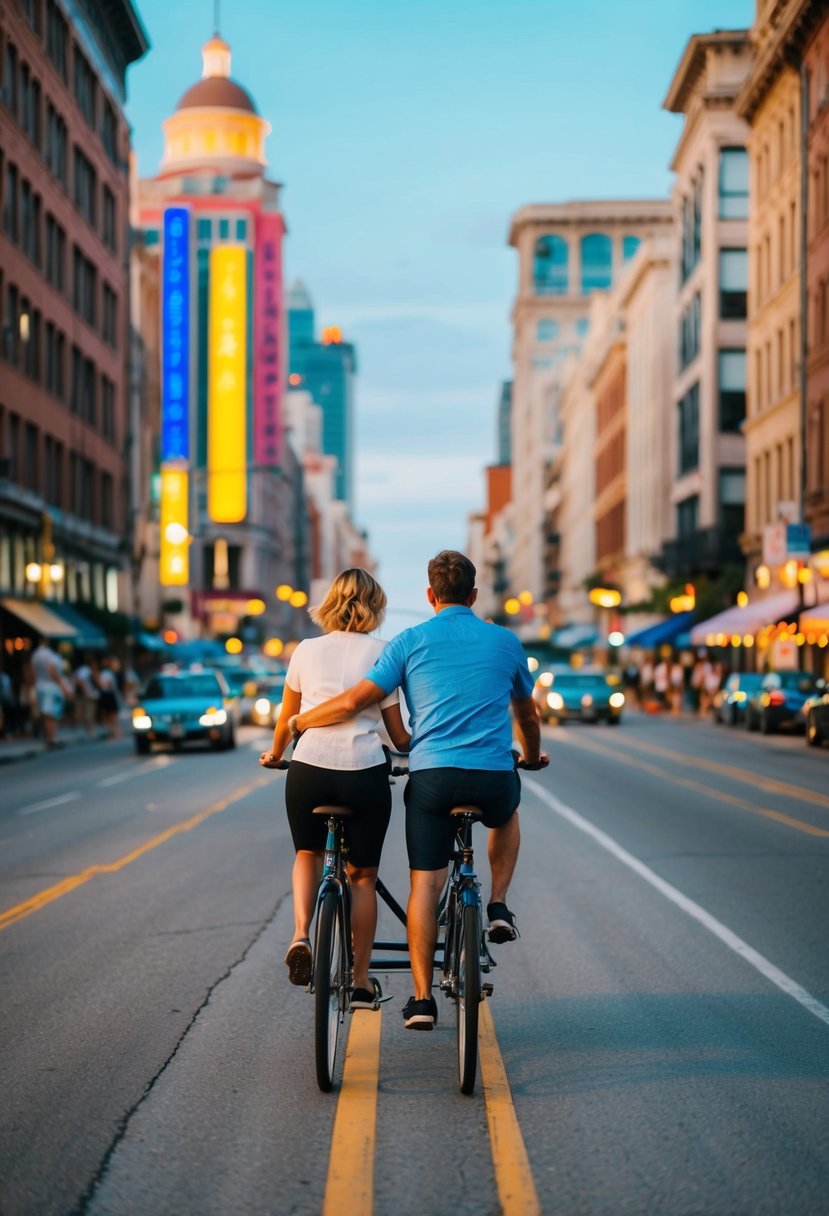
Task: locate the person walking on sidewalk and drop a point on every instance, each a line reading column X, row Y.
column 51, row 690
column 109, row 700
column 88, row 694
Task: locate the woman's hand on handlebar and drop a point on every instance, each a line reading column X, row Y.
column 533, row 766
column 269, row 760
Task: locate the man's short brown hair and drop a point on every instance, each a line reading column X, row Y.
column 451, row 577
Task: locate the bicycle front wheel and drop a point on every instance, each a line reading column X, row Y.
column 469, row 995
column 329, row 981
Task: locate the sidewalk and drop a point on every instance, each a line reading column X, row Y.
column 27, row 749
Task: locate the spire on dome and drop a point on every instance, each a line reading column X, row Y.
column 215, row 58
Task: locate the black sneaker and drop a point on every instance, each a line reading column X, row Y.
column 299, row 962
column 362, row 998
column 420, row 1015
column 501, row 924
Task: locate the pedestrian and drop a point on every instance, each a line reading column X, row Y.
column 51, row 691
column 109, row 702
column 88, row 694
column 630, row 680
column 711, row 684
column 662, row 682
column 345, row 766
column 646, row 681
column 460, row 677
column 677, row 683
column 9, row 705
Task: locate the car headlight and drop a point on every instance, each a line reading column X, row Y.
column 617, row 700
column 545, row 679
column 213, row 717
column 555, row 700
column 141, row 720
column 263, row 706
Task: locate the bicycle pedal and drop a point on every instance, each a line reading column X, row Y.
column 486, row 989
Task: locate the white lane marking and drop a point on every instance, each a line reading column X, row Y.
column 152, row 766
column 49, row 802
column 756, row 960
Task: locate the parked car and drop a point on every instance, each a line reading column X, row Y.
column 730, row 702
column 181, row 707
column 268, row 702
column 780, row 701
column 585, row 696
column 816, row 717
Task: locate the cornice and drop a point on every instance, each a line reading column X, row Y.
column 780, row 43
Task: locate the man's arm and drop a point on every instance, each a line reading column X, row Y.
column 338, row 709
column 527, row 729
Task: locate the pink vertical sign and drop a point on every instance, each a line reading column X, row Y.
column 267, row 332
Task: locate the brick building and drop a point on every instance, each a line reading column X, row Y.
column 817, row 276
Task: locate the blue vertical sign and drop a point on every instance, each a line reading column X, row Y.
column 175, row 336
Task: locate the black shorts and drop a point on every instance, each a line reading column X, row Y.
column 365, row 790
column 431, row 794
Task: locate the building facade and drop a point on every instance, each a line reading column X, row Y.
column 566, row 252
column 64, row 351
column 817, row 263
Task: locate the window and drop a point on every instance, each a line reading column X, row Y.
column 55, row 253
column 32, row 345
column 224, row 229
column 547, row 330
column 30, row 477
column 84, row 286
column 108, row 409
column 56, row 38
column 596, row 262
column 204, row 230
column 109, row 132
column 88, row 396
column 85, row 86
column 86, row 187
column 77, row 381
column 689, row 430
column 110, row 317
column 732, row 500
column 107, row 500
column 733, row 184
column 30, row 209
column 151, row 236
column 689, row 331
column 733, row 283
column 691, row 228
column 109, row 231
column 11, row 328
column 732, row 381
column 241, row 230
column 550, row 274
column 11, row 214
column 30, row 105
column 55, row 353
column 10, row 78
column 56, row 144
column 629, row 246
column 687, row 517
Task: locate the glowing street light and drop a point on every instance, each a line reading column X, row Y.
column 512, row 606
column 298, row 599
column 605, row 597
column 284, row 591
column 34, row 572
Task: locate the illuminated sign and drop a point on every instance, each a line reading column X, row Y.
column 268, row 338
column 174, row 563
column 227, row 385
column 175, row 335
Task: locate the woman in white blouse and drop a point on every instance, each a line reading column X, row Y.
column 340, row 765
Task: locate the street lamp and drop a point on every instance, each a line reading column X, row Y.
column 605, row 597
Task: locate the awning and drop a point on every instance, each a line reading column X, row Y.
column 815, row 619
column 663, row 633
column 750, row 619
column 88, row 635
column 574, row 637
column 40, row 618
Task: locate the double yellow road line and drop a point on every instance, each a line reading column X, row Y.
column 350, row 1183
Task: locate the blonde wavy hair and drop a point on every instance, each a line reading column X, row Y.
column 354, row 603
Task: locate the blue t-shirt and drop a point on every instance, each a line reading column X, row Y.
column 458, row 675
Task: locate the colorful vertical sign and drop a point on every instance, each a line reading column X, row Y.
column 227, row 385
column 175, row 335
column 174, row 564
column 268, row 339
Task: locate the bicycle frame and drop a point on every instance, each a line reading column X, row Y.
column 335, row 877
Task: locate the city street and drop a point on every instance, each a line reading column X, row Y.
column 663, row 1021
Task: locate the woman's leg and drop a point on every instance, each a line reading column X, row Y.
column 306, row 880
column 363, row 919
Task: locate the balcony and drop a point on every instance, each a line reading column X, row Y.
column 705, row 551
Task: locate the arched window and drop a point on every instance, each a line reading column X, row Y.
column 596, row 262
column 550, row 266
column 629, row 246
column 547, row 330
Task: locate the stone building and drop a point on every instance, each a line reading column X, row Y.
column 817, row 273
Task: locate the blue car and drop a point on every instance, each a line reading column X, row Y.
column 185, row 707
column 780, row 701
column 582, row 696
column 730, row 702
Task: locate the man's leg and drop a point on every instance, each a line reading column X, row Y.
column 422, row 926
column 503, row 845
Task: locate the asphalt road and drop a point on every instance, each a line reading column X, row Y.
column 663, row 1021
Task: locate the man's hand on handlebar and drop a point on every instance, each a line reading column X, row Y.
column 533, row 766
column 269, row 760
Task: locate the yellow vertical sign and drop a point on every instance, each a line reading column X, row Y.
column 174, row 565
column 227, row 385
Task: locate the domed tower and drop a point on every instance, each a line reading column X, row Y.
column 215, row 125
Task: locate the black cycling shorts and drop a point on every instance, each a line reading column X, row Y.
column 365, row 790
column 431, row 794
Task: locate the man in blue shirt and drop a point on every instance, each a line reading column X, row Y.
column 459, row 675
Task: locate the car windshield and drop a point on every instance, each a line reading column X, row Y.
column 582, row 682
column 169, row 688
column 748, row 679
column 237, row 677
column 791, row 681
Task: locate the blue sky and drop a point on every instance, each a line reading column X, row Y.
column 406, row 133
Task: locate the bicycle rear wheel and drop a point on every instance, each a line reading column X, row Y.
column 329, row 990
column 469, row 994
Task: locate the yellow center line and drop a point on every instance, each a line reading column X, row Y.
column 350, row 1184
column 513, row 1176
column 769, row 784
column 73, row 881
column 709, row 790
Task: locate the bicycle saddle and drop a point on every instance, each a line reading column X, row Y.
column 474, row 812
column 342, row 812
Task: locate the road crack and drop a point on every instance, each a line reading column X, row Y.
column 82, row 1206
